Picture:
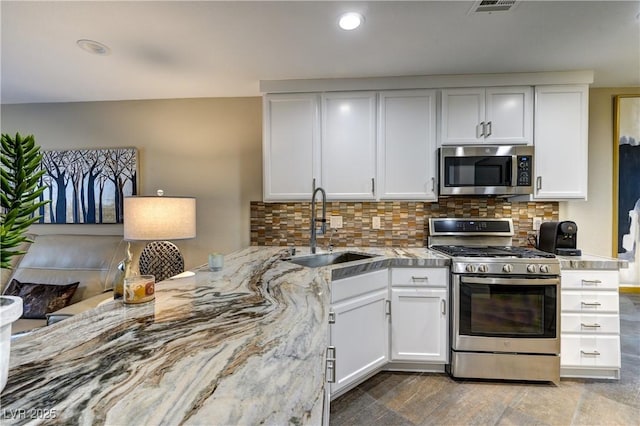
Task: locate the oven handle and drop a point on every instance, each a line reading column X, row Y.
column 510, row 281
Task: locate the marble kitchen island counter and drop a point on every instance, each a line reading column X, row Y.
column 245, row 345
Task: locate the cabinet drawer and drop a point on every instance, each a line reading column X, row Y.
column 589, row 301
column 423, row 277
column 590, row 323
column 590, row 280
column 358, row 285
column 589, row 351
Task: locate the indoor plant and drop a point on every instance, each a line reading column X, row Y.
column 21, row 191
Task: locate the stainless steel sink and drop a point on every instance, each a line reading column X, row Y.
column 326, row 259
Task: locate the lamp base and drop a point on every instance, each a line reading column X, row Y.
column 162, row 259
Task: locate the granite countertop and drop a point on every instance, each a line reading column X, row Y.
column 244, row 345
column 589, row 261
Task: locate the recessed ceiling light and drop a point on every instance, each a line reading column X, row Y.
column 350, row 21
column 93, row 47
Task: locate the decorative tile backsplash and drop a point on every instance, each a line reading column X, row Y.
column 403, row 223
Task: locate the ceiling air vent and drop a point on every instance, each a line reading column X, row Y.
column 493, row 6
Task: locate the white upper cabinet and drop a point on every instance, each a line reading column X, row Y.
column 407, row 145
column 291, row 146
column 561, row 142
column 349, row 145
column 495, row 115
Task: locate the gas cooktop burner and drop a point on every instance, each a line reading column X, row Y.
column 492, row 251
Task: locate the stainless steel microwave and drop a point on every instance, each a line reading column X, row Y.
column 486, row 170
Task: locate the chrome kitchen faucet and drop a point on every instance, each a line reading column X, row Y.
column 313, row 242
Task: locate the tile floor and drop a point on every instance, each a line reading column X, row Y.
column 391, row 398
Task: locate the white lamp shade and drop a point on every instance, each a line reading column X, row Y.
column 159, row 218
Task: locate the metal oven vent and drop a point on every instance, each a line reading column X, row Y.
column 493, row 5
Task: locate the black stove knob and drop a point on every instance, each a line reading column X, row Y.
column 507, row 268
column 531, row 268
column 544, row 269
column 470, row 268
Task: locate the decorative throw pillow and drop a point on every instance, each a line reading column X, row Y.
column 38, row 300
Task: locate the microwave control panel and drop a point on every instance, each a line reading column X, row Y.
column 525, row 170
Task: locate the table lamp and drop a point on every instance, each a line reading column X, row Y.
column 158, row 219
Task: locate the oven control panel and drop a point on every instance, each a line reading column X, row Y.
column 533, row 267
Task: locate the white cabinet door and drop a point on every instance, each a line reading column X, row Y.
column 349, row 145
column 360, row 336
column 493, row 115
column 561, row 142
column 419, row 324
column 407, row 145
column 509, row 115
column 291, row 146
column 462, row 111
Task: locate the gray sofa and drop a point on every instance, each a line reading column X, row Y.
column 61, row 259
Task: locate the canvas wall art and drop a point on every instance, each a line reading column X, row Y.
column 88, row 185
column 627, row 171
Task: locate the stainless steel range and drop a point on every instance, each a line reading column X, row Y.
column 505, row 302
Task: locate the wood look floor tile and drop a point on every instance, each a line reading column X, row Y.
column 513, row 417
column 475, row 403
column 553, row 405
column 595, row 409
column 383, row 383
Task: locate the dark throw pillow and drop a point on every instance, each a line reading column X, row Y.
column 38, row 300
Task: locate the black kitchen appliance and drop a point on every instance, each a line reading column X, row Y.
column 559, row 238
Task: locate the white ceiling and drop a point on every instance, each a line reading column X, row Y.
column 183, row 49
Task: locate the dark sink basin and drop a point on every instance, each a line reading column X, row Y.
column 326, row 259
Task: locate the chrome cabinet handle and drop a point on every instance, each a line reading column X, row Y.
column 414, row 278
column 444, row 307
column 592, row 353
column 331, row 364
column 487, row 133
column 373, row 185
column 591, row 282
column 538, row 183
column 387, row 309
column 594, row 325
column 480, row 130
column 591, row 304
column 331, row 370
column 433, row 184
column 332, row 317
column 331, row 352
column 313, row 184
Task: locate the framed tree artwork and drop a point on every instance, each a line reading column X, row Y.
column 88, row 185
column 626, row 193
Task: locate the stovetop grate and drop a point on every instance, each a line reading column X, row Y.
column 492, row 251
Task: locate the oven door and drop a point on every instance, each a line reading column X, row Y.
column 514, row 315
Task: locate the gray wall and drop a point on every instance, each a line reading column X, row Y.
column 207, row 148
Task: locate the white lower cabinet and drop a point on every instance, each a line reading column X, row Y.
column 369, row 332
column 359, row 328
column 419, row 324
column 590, row 324
column 419, row 315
